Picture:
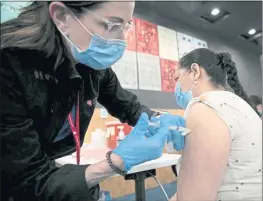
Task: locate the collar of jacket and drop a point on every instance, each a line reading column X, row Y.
column 64, row 69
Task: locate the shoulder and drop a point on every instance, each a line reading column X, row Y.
column 9, row 56
column 15, row 60
column 11, row 72
column 26, row 62
column 218, row 106
column 209, row 137
column 199, row 112
column 211, row 103
column 28, row 58
column 17, row 52
column 18, row 66
column 202, row 117
column 23, row 58
column 11, row 59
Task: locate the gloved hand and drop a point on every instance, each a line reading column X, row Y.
column 174, row 137
column 137, row 148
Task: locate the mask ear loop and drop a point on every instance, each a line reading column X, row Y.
column 195, row 83
column 184, row 76
column 82, row 25
column 182, row 79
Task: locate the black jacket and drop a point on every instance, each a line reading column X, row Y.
column 35, row 102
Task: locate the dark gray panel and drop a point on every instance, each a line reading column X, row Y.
column 155, row 99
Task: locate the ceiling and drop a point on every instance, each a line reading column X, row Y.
column 243, row 16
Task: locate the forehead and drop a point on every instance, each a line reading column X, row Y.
column 123, row 10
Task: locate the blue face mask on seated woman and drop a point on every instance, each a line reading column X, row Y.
column 183, row 98
column 101, row 53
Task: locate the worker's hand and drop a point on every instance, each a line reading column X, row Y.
column 137, row 148
column 175, row 139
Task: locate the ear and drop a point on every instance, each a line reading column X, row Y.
column 195, row 68
column 59, row 14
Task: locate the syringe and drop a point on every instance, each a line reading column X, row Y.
column 185, row 131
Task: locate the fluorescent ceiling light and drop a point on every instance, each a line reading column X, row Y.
column 215, row 11
column 251, row 31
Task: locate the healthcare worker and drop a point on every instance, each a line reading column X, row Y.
column 55, row 67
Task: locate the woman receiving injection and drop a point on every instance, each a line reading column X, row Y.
column 222, row 157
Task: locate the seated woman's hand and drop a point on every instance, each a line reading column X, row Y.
column 139, row 147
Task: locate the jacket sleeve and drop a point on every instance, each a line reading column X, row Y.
column 27, row 172
column 119, row 102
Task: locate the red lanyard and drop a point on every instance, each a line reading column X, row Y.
column 75, row 130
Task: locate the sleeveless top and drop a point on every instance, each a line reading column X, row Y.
column 243, row 177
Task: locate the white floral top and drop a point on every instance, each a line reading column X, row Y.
column 243, row 178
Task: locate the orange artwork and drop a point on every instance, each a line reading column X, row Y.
column 168, row 69
column 147, row 37
column 113, row 129
column 131, row 38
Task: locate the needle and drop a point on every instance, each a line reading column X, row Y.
column 185, row 131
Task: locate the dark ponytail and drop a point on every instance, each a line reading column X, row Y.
column 225, row 61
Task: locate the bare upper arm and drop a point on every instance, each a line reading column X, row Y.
column 205, row 155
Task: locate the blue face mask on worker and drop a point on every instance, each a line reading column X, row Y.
column 101, row 53
column 183, row 98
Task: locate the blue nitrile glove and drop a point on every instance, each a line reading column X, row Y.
column 174, row 137
column 153, row 129
column 136, row 148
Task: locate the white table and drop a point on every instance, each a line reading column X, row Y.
column 139, row 171
column 164, row 161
